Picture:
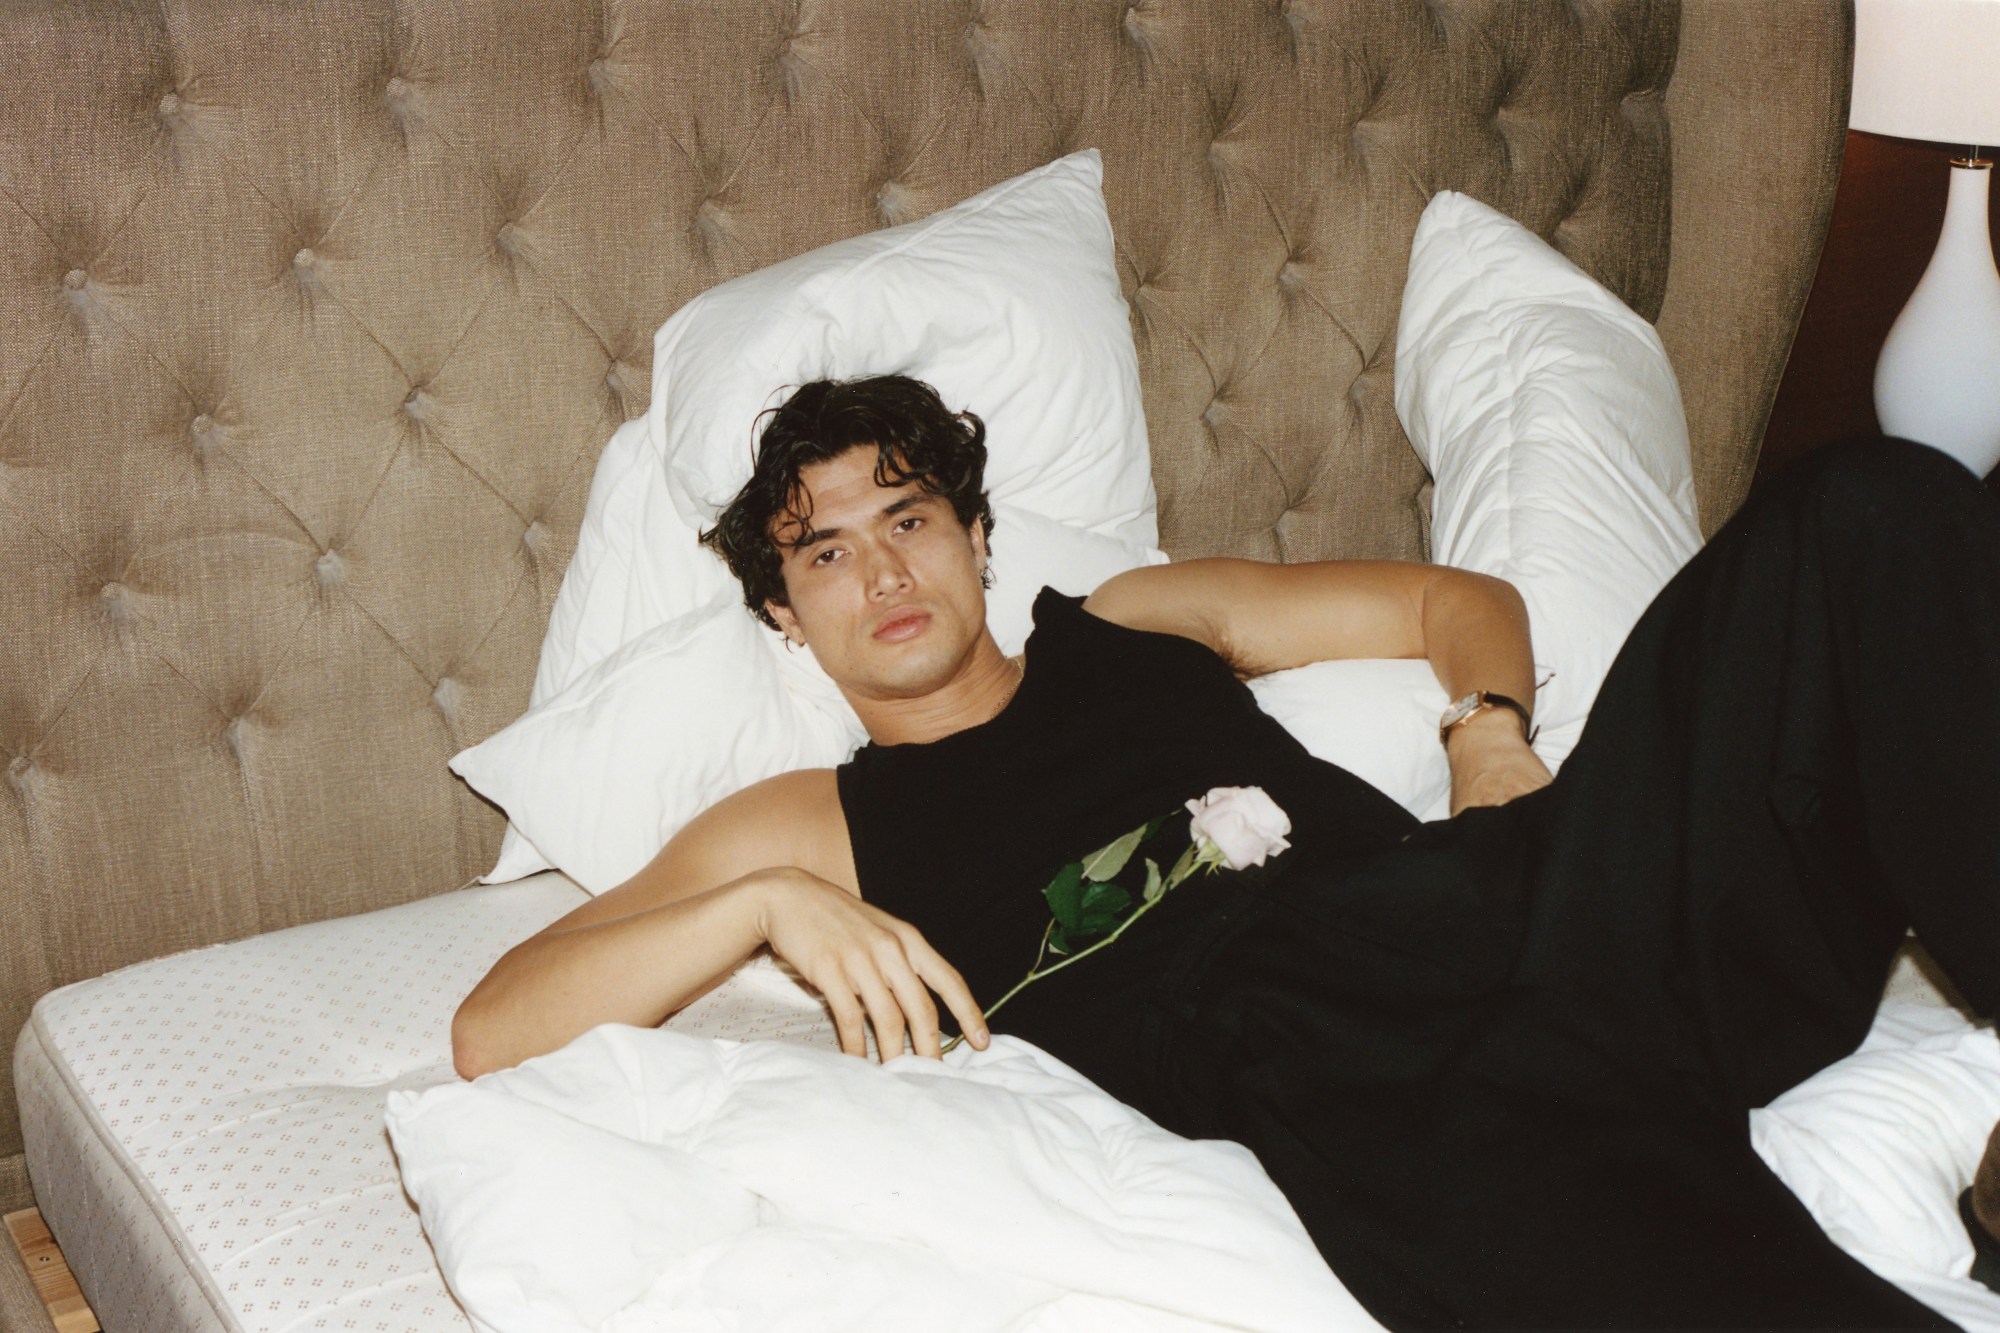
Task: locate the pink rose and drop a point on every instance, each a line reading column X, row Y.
column 1238, row 826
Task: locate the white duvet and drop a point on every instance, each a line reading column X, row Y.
column 642, row 1179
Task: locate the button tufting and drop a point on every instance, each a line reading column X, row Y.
column 396, row 88
column 708, row 221
column 329, row 568
column 893, row 202
column 446, row 696
column 115, row 599
column 20, row 766
column 237, row 733
column 75, row 278
column 201, row 425
column 417, row 404
column 531, row 536
column 508, row 238
column 305, row 258
column 170, row 104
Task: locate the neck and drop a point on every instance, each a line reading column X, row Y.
column 976, row 693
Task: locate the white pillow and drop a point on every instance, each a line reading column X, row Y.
column 598, row 776
column 1008, row 302
column 1031, row 552
column 1879, row 1145
column 1551, row 422
column 1376, row 718
column 637, row 565
column 1552, row 425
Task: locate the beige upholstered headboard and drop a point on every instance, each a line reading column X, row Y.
column 315, row 314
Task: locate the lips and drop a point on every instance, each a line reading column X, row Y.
column 905, row 622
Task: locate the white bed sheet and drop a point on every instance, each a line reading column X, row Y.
column 204, row 1132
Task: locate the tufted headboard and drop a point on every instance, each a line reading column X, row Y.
column 314, row 316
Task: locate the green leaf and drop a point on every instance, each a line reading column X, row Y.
column 1065, row 895
column 1093, row 926
column 1105, row 899
column 1155, row 885
column 1058, row 940
column 1107, row 861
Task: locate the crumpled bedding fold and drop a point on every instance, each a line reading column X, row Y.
column 641, row 1179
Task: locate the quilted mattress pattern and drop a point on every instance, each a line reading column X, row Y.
column 204, row 1131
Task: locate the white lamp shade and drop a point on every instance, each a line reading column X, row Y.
column 1927, row 69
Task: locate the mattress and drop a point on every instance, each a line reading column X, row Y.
column 204, row 1131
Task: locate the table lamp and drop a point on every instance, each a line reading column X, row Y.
column 1930, row 69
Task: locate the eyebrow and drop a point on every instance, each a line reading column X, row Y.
column 889, row 510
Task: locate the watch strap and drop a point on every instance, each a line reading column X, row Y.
column 1485, row 702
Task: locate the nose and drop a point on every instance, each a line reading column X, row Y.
column 887, row 574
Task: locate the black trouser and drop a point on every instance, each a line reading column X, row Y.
column 1504, row 1071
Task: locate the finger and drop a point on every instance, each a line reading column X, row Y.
column 846, row 1017
column 885, row 1016
column 943, row 978
column 912, row 997
column 916, row 1005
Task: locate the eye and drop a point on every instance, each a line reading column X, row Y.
column 827, row 556
column 909, row 524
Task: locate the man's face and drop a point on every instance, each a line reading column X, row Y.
column 884, row 585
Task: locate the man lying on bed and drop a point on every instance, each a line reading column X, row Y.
column 1500, row 1064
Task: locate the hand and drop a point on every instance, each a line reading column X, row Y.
column 1491, row 762
column 864, row 961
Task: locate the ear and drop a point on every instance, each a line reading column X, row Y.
column 978, row 534
column 787, row 622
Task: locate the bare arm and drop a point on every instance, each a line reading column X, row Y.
column 1266, row 617
column 770, row 865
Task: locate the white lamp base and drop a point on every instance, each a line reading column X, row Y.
column 1938, row 380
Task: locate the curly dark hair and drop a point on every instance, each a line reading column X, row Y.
column 915, row 438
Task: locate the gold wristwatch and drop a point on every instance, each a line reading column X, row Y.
column 1475, row 703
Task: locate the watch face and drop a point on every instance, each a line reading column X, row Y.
column 1460, row 710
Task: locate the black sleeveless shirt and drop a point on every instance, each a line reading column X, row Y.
column 1110, row 727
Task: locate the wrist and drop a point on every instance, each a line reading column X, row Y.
column 1475, row 708
column 772, row 893
column 1495, row 728
column 761, row 895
